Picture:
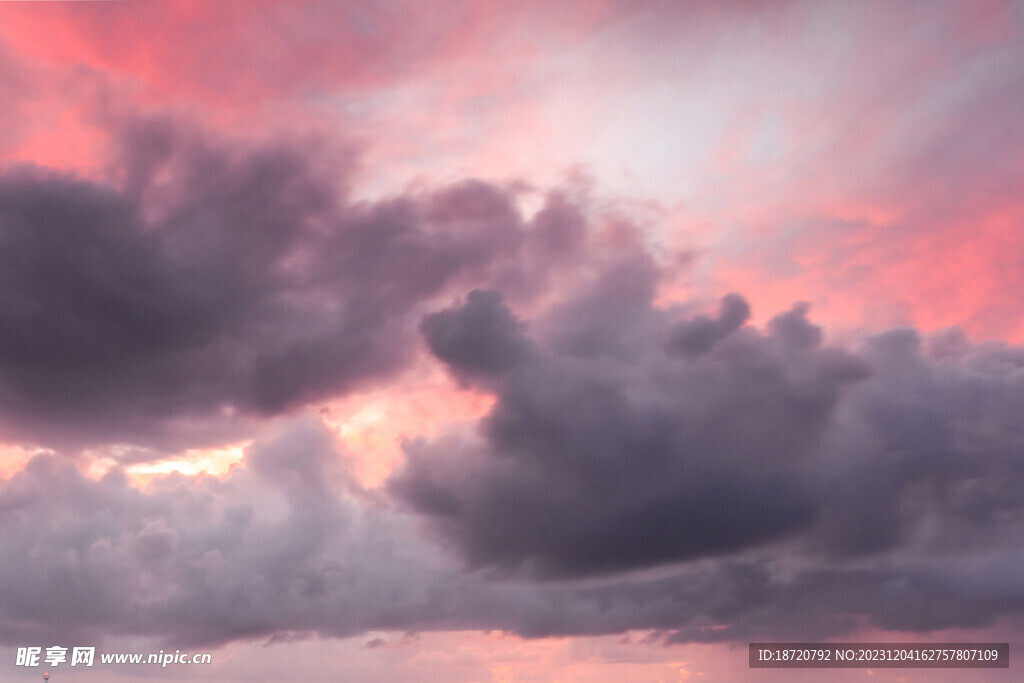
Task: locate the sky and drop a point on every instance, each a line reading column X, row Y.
column 509, row 341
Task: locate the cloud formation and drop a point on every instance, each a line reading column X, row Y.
column 644, row 466
column 911, row 529
column 591, row 463
column 712, row 474
column 883, row 482
column 206, row 284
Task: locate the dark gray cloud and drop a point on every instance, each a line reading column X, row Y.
column 481, row 338
column 206, row 285
column 610, row 317
column 601, row 455
column 697, row 336
column 642, row 467
column 929, row 453
column 288, row 546
column 791, row 488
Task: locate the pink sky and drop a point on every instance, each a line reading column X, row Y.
column 389, row 339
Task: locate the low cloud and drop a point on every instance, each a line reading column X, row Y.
column 591, row 463
column 209, row 285
column 642, row 467
column 287, row 546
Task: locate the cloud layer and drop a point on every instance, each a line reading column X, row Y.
column 644, row 466
column 593, row 462
column 208, row 284
column 656, row 456
column 797, row 496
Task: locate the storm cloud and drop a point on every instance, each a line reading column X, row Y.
column 288, row 544
column 855, row 477
column 208, row 284
column 644, row 466
column 594, row 463
column 423, row 324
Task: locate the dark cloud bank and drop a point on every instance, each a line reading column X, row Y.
column 212, row 282
column 642, row 468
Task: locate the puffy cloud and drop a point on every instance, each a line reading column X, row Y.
column 236, row 557
column 929, row 454
column 787, row 488
column 693, row 337
column 480, row 338
column 592, row 464
column 642, row 467
column 287, row 546
column 208, row 284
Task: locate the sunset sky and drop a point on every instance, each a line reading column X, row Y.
column 586, row 340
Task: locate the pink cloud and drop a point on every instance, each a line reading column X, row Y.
column 235, row 52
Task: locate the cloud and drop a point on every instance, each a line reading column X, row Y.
column 643, row 466
column 206, row 560
column 209, row 284
column 782, row 538
column 16, row 88
column 284, row 546
column 928, row 454
column 480, row 338
column 791, row 488
column 596, row 463
column 244, row 54
column 710, row 476
column 693, row 337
